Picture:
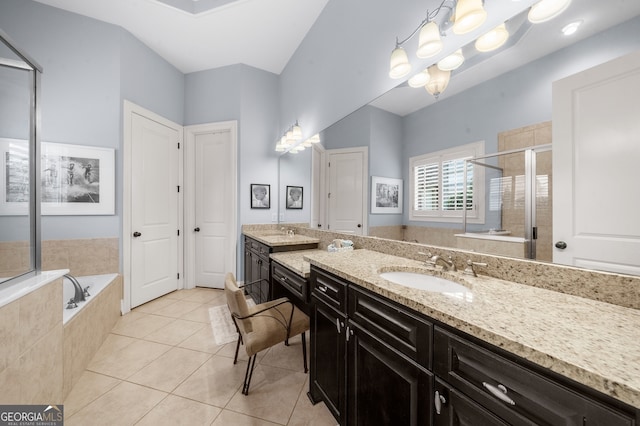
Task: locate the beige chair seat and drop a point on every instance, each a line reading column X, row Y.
column 264, row 325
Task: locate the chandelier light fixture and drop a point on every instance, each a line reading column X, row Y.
column 461, row 17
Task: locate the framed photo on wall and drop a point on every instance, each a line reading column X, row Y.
column 75, row 179
column 294, row 197
column 260, row 196
column 386, row 195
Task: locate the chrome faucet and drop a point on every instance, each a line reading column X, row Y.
column 447, row 264
column 79, row 295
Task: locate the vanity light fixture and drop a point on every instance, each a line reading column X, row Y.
column 493, row 39
column 290, row 139
column 399, row 65
column 545, row 10
column 420, row 79
column 469, row 15
column 451, row 62
column 429, row 41
column 571, row 28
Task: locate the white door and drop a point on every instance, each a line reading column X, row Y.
column 214, row 163
column 596, row 173
column 347, row 170
column 154, row 208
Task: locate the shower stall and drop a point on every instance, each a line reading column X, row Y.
column 510, row 208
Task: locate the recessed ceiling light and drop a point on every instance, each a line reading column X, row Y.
column 571, row 28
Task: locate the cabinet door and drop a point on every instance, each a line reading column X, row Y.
column 328, row 352
column 265, row 277
column 385, row 387
column 455, row 409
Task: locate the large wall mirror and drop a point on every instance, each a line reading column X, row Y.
column 19, row 85
column 503, row 100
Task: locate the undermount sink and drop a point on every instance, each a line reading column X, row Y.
column 424, row 282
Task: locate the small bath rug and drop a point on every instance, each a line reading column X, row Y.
column 224, row 331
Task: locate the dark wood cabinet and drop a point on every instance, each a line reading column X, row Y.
column 356, row 368
column 286, row 283
column 327, row 372
column 377, row 362
column 513, row 392
column 257, row 266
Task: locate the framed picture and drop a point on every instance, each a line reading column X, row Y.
column 75, row 179
column 294, row 197
column 260, row 196
column 386, row 195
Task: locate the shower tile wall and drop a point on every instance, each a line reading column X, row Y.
column 512, row 219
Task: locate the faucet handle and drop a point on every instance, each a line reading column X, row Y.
column 86, row 291
column 469, row 270
column 429, row 260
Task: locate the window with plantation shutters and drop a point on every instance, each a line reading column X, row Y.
column 437, row 185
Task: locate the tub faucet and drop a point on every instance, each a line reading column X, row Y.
column 79, row 295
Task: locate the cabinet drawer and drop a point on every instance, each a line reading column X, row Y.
column 516, row 393
column 329, row 289
column 259, row 248
column 296, row 284
column 393, row 324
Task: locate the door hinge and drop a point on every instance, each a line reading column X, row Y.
column 178, row 145
column 178, row 188
column 329, row 195
column 178, row 232
column 178, row 275
column 535, row 233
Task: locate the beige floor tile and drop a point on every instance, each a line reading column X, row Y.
column 202, row 341
column 307, row 414
column 200, row 314
column 288, row 357
column 273, row 394
column 143, row 325
column 227, row 418
column 123, row 405
column 178, row 309
column 174, row 410
column 215, row 382
column 128, row 360
column 175, row 332
column 203, row 295
column 170, row 369
column 89, row 387
column 154, row 305
column 112, row 344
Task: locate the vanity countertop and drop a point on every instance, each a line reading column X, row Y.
column 294, row 260
column 594, row 343
column 277, row 238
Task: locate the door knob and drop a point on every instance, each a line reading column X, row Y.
column 561, row 245
column 136, row 234
column 359, row 226
column 197, row 229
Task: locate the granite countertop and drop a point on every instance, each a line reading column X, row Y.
column 294, row 260
column 276, row 238
column 594, row 343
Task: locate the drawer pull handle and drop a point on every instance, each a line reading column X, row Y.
column 499, row 392
column 438, row 400
column 322, row 288
column 338, row 324
column 283, row 278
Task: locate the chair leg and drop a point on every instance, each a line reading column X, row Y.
column 235, row 358
column 247, row 375
column 304, row 351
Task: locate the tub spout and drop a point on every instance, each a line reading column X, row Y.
column 79, row 292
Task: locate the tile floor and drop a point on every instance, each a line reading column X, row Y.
column 161, row 366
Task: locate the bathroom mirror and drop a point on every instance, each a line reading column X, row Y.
column 518, row 76
column 19, row 81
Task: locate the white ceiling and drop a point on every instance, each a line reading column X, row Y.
column 196, row 35
column 260, row 33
